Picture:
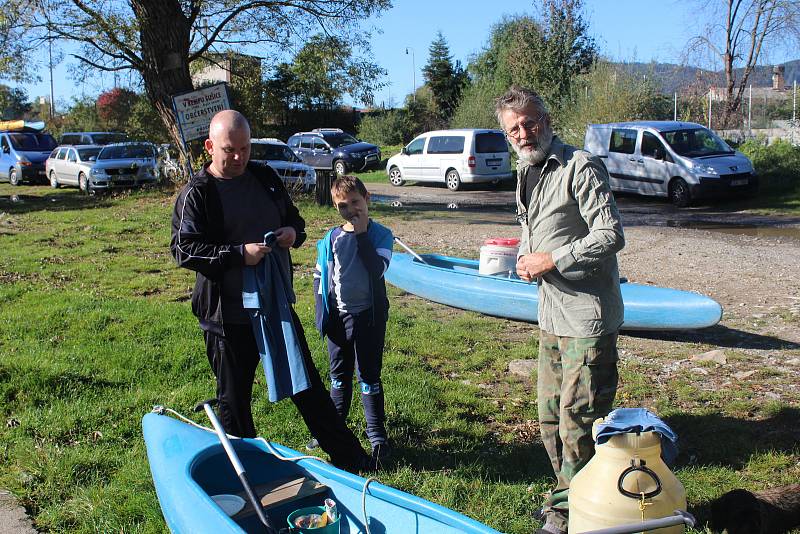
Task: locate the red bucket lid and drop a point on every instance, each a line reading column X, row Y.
column 502, row 241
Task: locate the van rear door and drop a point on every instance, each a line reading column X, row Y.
column 491, row 154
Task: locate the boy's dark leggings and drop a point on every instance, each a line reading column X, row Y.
column 355, row 342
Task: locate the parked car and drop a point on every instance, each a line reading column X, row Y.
column 71, row 165
column 122, row 165
column 680, row 160
column 332, row 148
column 92, row 138
column 454, row 157
column 280, row 157
column 23, row 154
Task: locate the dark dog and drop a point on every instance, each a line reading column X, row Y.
column 772, row 511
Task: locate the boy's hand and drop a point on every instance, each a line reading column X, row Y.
column 286, row 236
column 360, row 223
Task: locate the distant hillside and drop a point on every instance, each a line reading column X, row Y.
column 677, row 77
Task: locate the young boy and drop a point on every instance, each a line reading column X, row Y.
column 352, row 307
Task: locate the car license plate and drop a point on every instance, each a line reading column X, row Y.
column 493, row 162
column 741, row 181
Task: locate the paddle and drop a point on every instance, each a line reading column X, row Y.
column 417, row 256
column 237, row 465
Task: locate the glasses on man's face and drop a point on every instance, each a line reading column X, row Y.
column 530, row 126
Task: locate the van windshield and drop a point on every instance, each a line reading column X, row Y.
column 33, row 142
column 127, row 152
column 696, row 143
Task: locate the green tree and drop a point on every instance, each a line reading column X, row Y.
column 546, row 55
column 13, row 103
column 159, row 39
column 325, row 70
column 143, row 123
column 80, row 117
column 445, row 79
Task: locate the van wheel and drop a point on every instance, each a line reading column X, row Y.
column 13, row 177
column 396, row 177
column 53, row 180
column 339, row 167
column 679, row 193
column 453, row 180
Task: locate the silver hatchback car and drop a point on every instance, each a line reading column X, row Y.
column 71, row 165
column 123, row 165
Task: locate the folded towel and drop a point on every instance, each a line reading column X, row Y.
column 626, row 420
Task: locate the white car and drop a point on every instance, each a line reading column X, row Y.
column 453, row 157
column 679, row 160
column 277, row 154
column 71, row 165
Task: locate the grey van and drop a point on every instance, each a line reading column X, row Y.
column 23, row 154
column 683, row 161
column 92, row 138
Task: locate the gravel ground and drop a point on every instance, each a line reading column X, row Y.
column 749, row 264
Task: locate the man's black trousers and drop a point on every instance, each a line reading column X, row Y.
column 234, row 358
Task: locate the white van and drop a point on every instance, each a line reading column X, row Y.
column 680, row 160
column 453, row 157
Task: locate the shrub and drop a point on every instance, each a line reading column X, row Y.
column 777, row 164
column 387, row 128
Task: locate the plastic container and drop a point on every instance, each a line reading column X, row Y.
column 607, row 491
column 498, row 256
column 330, row 528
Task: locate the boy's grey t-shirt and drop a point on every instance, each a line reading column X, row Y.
column 350, row 277
column 249, row 212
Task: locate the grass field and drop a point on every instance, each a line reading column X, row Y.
column 95, row 329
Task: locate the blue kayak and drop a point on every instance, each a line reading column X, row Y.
column 456, row 282
column 195, row 482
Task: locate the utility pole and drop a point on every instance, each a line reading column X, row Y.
column 750, row 109
column 794, row 103
column 709, row 108
column 50, row 56
column 413, row 73
column 675, row 106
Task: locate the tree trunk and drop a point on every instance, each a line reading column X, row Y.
column 165, row 33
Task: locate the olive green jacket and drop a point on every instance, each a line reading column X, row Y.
column 572, row 214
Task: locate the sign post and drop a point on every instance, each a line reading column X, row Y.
column 195, row 109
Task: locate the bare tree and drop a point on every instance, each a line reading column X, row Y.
column 738, row 33
column 159, row 39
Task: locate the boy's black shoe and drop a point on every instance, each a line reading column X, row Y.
column 313, row 444
column 381, row 454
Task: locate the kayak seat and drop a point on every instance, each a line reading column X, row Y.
column 277, row 493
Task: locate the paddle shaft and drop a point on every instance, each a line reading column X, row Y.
column 417, row 256
column 238, row 467
column 679, row 518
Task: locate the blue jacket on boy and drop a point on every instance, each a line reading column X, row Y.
column 375, row 251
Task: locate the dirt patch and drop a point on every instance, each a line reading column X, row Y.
column 756, row 278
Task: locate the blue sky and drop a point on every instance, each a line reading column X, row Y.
column 626, row 30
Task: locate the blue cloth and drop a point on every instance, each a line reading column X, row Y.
column 266, row 297
column 627, row 420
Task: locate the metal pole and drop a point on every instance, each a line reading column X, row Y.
column 709, row 109
column 50, row 54
column 413, row 73
column 794, row 102
column 675, row 106
column 750, row 109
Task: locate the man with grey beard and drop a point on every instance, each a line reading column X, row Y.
column 571, row 233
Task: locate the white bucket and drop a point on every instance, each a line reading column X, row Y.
column 498, row 256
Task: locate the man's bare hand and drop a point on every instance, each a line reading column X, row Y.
column 532, row 266
column 286, row 236
column 255, row 252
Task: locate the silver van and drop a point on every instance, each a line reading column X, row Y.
column 453, row 157
column 683, row 161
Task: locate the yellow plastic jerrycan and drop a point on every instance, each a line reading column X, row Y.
column 625, row 482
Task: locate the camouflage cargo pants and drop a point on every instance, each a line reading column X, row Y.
column 577, row 383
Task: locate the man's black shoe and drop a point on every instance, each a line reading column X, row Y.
column 381, row 454
column 313, row 444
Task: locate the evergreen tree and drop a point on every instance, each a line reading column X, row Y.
column 445, row 79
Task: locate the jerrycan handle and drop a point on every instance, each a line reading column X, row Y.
column 644, row 469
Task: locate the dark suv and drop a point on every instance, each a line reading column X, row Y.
column 332, row 148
